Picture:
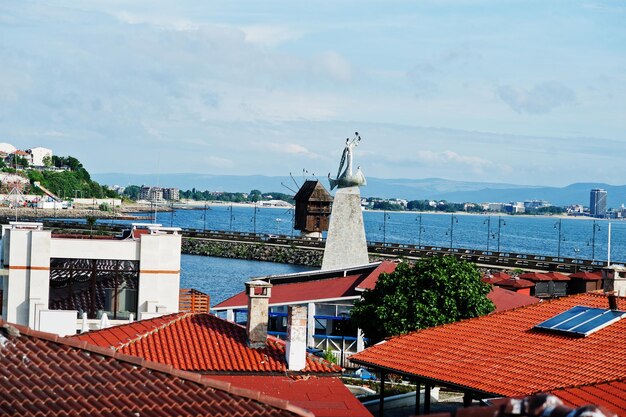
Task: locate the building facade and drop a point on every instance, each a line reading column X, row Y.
column 597, row 202
column 59, row 283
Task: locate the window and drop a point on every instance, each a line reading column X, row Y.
column 94, row 286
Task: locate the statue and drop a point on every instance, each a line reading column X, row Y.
column 347, row 178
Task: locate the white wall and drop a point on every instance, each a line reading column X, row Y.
column 159, row 277
column 27, row 256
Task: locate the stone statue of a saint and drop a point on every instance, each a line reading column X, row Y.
column 346, row 178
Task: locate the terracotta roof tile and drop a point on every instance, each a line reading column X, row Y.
column 325, row 397
column 610, row 394
column 199, row 342
column 501, row 354
column 41, row 376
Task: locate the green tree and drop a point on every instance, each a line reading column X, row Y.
column 430, row 292
column 47, row 161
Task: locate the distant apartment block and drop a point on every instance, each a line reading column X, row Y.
column 597, row 202
column 531, row 205
column 171, row 194
column 514, row 208
column 158, row 194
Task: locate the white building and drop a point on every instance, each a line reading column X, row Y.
column 38, row 154
column 61, row 283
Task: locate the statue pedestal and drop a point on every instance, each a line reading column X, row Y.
column 346, row 245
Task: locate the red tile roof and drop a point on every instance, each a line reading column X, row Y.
column 610, row 394
column 506, row 300
column 587, row 276
column 199, row 342
column 535, row 276
column 495, row 277
column 42, row 374
column 298, row 292
column 501, row 354
column 515, row 283
column 369, row 282
column 557, row 276
column 325, row 397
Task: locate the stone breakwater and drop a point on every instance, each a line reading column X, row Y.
column 253, row 251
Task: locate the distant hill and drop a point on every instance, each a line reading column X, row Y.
column 410, row 189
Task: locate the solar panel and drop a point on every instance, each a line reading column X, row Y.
column 581, row 320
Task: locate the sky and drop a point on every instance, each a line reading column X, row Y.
column 522, row 92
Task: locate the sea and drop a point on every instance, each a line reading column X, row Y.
column 541, row 235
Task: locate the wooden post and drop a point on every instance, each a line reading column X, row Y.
column 427, row 389
column 467, row 399
column 418, row 388
column 381, row 402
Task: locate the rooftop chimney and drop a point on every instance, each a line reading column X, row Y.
column 614, row 278
column 259, row 293
column 295, row 351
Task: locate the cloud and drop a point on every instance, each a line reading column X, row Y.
column 451, row 157
column 542, row 98
column 333, row 65
column 292, row 149
column 270, row 35
column 217, row 162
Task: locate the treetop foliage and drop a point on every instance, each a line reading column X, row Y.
column 430, row 292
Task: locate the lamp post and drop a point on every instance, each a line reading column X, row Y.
column 453, row 220
column 593, row 240
column 385, row 216
column 230, row 227
column 488, row 223
column 420, row 230
column 254, row 217
column 205, row 207
column 501, row 223
column 558, row 226
column 172, row 216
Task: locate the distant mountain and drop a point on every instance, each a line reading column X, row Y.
column 410, row 189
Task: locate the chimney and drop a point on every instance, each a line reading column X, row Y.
column 295, row 351
column 259, row 293
column 614, row 279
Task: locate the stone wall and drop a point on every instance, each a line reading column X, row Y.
column 253, row 251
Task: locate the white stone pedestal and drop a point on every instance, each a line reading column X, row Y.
column 346, row 245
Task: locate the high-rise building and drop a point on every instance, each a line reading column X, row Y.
column 597, row 202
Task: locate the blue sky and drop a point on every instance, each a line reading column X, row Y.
column 525, row 92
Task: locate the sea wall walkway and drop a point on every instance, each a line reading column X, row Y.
column 301, row 251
